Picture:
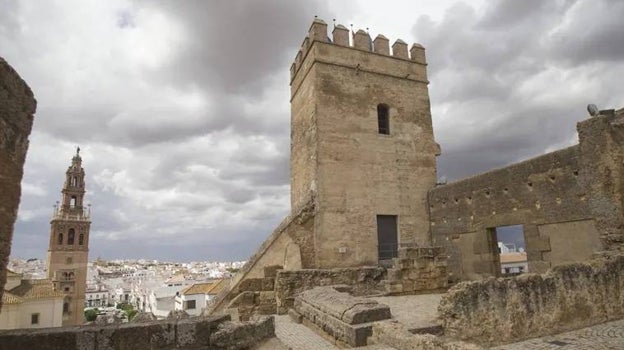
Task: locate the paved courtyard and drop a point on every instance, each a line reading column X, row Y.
column 604, row 336
column 418, row 311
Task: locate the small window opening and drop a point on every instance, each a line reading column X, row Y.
column 60, row 238
column 65, row 307
column 383, row 119
column 74, row 181
column 70, row 236
column 34, row 319
column 81, row 239
column 72, row 202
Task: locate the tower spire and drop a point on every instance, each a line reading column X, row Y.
column 69, row 243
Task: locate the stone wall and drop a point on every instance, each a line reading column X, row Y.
column 195, row 333
column 287, row 246
column 362, row 281
column 567, row 297
column 569, row 203
column 17, row 107
column 416, row 270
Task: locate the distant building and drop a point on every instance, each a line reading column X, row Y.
column 30, row 303
column 195, row 298
column 69, row 244
column 513, row 263
column 97, row 296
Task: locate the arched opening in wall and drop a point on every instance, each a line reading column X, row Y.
column 74, row 181
column 510, row 253
column 66, row 308
column 71, row 236
column 60, row 238
column 72, row 202
column 383, row 119
column 81, row 239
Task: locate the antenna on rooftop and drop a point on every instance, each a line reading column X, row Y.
column 334, row 20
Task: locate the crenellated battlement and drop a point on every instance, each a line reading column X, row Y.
column 361, row 40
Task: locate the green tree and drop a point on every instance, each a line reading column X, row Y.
column 91, row 314
column 131, row 314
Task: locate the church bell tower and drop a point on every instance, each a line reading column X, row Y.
column 69, row 244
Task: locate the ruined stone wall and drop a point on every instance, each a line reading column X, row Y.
column 17, row 107
column 195, row 333
column 287, row 246
column 567, row 297
column 361, row 281
column 569, row 203
column 539, row 193
column 338, row 154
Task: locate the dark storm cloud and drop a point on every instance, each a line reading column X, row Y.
column 511, row 81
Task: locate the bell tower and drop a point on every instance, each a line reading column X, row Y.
column 69, row 243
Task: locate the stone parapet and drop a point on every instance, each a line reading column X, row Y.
column 502, row 310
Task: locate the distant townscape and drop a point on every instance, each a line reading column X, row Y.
column 143, row 285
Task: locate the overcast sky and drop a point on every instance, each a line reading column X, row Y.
column 181, row 108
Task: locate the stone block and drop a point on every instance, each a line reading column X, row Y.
column 295, row 316
column 271, row 271
column 394, row 274
column 268, row 284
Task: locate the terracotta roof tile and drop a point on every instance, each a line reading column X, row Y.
column 36, row 289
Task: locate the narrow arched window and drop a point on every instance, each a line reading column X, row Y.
column 74, row 181
column 70, row 236
column 383, row 120
column 66, row 308
column 81, row 239
column 72, row 203
column 60, row 238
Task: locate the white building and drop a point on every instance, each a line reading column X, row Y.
column 30, row 303
column 194, row 299
column 97, row 296
column 161, row 301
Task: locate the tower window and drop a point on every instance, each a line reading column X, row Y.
column 70, row 236
column 383, row 120
column 65, row 307
column 81, row 239
column 74, row 181
column 60, row 238
column 72, row 203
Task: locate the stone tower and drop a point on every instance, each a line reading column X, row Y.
column 69, row 244
column 362, row 144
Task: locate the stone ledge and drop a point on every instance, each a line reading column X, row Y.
column 216, row 332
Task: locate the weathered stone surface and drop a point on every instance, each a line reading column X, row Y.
column 17, row 107
column 177, row 315
column 236, row 335
column 395, row 334
column 362, row 281
column 567, row 297
column 347, row 308
column 143, row 317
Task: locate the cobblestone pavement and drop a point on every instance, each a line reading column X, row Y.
column 414, row 311
column 607, row 336
column 299, row 337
